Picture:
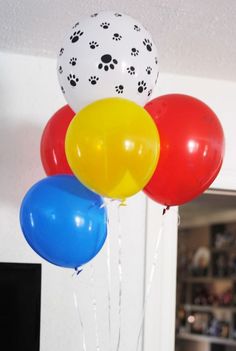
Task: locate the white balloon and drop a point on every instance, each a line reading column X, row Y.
column 107, row 55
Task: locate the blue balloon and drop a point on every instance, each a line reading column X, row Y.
column 63, row 221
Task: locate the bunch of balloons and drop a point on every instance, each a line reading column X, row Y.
column 107, row 142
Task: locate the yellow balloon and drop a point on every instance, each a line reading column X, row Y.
column 112, row 147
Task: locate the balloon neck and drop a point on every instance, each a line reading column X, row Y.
column 122, row 203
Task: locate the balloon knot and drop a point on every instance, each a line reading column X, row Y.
column 165, row 210
column 78, row 271
column 122, row 203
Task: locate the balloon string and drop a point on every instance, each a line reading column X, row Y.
column 109, row 286
column 151, row 277
column 80, row 320
column 120, row 277
column 94, row 303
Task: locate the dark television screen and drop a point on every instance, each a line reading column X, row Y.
column 20, row 292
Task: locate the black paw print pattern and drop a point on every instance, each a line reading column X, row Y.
column 76, row 36
column 60, row 70
column 63, row 90
column 131, row 70
column 94, row 15
column 147, row 44
column 156, row 60
column 134, row 52
column 117, row 36
column 73, row 61
column 118, row 14
column 105, row 25
column 73, row 80
column 107, row 62
column 149, row 92
column 137, row 28
column 61, row 51
column 142, row 86
column 119, row 89
column 76, row 25
column 93, row 80
column 149, row 70
column 93, row 44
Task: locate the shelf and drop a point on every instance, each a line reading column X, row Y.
column 197, row 282
column 209, row 308
column 231, row 249
column 205, row 338
column 206, row 279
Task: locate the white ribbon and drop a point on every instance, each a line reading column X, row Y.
column 150, row 279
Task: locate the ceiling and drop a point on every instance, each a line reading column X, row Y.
column 193, row 37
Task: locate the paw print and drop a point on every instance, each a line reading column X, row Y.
column 156, row 60
column 107, row 62
column 131, row 70
column 63, row 90
column 73, row 80
column 93, row 44
column 134, row 52
column 118, row 14
column 149, row 92
column 105, row 25
column 149, row 70
column 119, row 89
column 76, row 25
column 73, row 61
column 142, row 86
column 76, row 36
column 61, row 51
column 93, row 80
column 60, row 70
column 137, row 28
column 147, row 44
column 94, row 15
column 117, row 37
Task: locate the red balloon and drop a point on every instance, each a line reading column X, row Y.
column 192, row 149
column 52, row 148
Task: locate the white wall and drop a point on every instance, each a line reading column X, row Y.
column 29, row 95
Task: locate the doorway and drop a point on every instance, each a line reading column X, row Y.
column 206, row 274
